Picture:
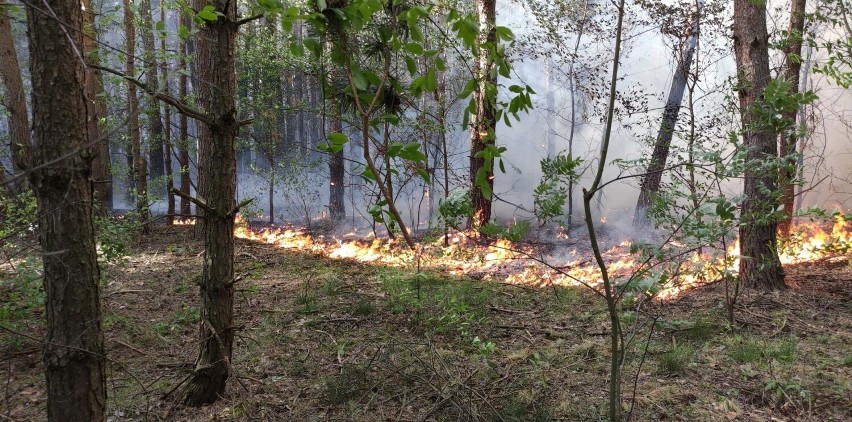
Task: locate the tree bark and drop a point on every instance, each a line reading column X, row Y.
column 183, row 155
column 336, row 164
column 101, row 167
column 216, row 68
column 792, row 69
column 654, row 174
column 74, row 348
column 140, row 165
column 167, row 129
column 152, row 110
column 759, row 263
column 14, row 99
column 483, row 124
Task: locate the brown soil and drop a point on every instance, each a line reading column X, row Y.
column 321, row 339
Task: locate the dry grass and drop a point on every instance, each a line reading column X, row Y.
column 335, row 340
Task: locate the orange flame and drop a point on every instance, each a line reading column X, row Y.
column 465, row 256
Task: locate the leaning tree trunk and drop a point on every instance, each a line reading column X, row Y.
column 654, row 174
column 216, row 67
column 792, row 69
column 759, row 263
column 74, row 348
column 139, row 164
column 14, row 99
column 483, row 124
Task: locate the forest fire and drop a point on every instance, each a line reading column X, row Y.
column 520, row 263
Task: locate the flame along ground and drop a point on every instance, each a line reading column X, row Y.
column 518, row 263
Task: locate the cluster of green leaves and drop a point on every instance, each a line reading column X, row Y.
column 22, row 296
column 552, row 191
column 455, row 209
column 17, row 218
column 115, row 236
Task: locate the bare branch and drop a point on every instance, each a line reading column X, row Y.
column 168, row 99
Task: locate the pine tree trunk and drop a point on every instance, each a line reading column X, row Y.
column 792, row 69
column 759, row 263
column 101, row 169
column 216, row 67
column 183, row 156
column 152, row 110
column 167, row 130
column 483, row 125
column 336, row 164
column 14, row 99
column 654, row 174
column 74, row 348
column 139, row 164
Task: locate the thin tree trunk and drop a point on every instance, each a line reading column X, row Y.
column 803, row 126
column 216, row 67
column 167, row 130
column 483, row 125
column 140, row 165
column 101, row 172
column 550, row 92
column 183, row 155
column 74, row 357
column 336, row 163
column 759, row 263
column 155, row 122
column 792, row 69
column 654, row 174
column 14, row 99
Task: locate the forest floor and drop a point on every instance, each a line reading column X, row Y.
column 323, row 339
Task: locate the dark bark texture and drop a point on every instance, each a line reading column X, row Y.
column 792, row 69
column 15, row 101
column 653, row 177
column 759, row 263
column 74, row 349
column 152, row 110
column 216, row 68
column 138, row 162
column 483, row 124
column 101, row 167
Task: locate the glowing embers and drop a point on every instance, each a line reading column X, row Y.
column 184, row 221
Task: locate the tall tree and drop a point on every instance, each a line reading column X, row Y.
column 152, row 110
column 654, row 174
column 61, row 177
column 167, row 118
column 337, row 171
column 101, row 166
column 792, row 69
column 483, row 124
column 759, row 263
column 139, row 164
column 217, row 84
column 183, row 143
column 14, row 99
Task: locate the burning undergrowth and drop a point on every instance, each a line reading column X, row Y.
column 561, row 260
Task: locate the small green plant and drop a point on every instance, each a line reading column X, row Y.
column 455, row 209
column 484, row 348
column 676, row 360
column 115, row 235
column 363, row 308
column 346, row 385
column 332, row 286
column 745, row 350
column 22, row 298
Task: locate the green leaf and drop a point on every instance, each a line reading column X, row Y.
column 337, row 138
column 430, row 84
column 359, row 79
column 183, row 32
column 160, row 26
column 321, row 5
column 411, row 65
column 423, row 174
column 414, row 48
column 208, row 14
